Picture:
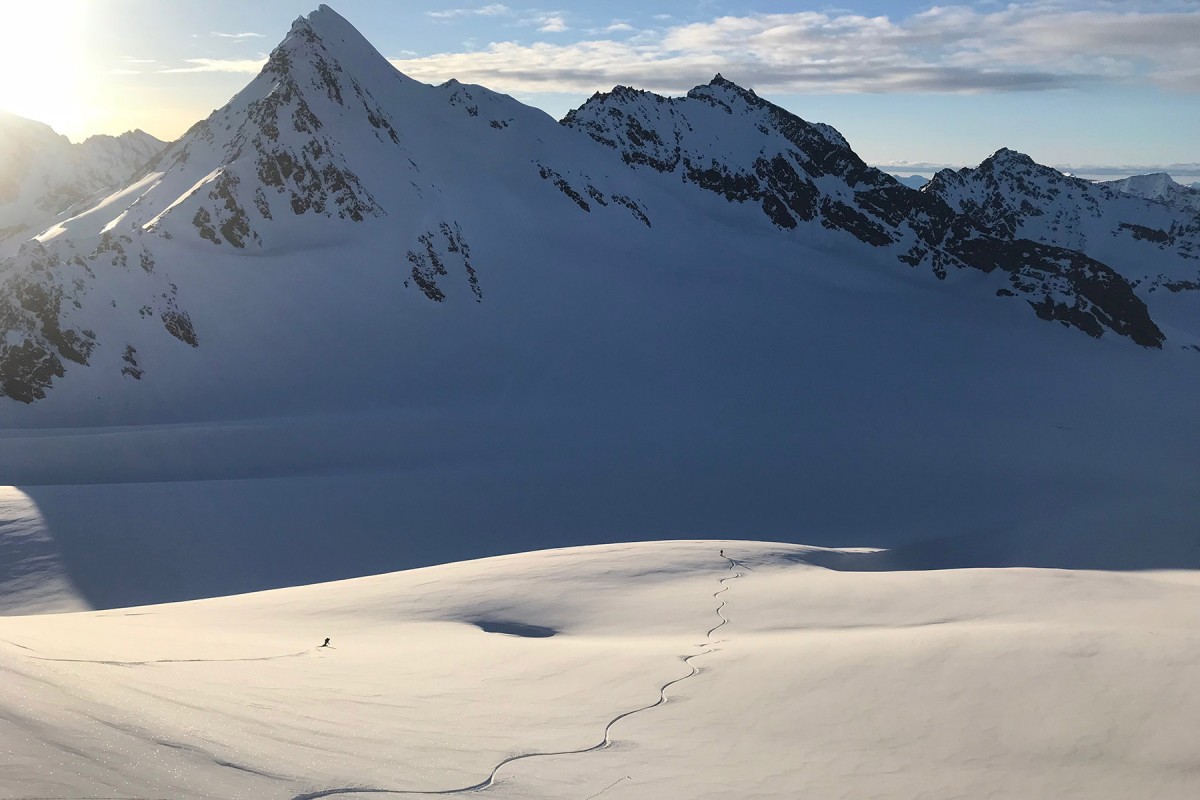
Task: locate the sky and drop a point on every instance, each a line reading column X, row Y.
column 1092, row 87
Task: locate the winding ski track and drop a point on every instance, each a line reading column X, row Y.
column 605, row 741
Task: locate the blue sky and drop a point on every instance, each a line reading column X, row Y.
column 1082, row 85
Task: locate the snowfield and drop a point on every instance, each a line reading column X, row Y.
column 353, row 324
column 542, row 675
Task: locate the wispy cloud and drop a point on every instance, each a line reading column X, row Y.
column 239, row 37
column 130, row 65
column 491, row 10
column 551, row 23
column 244, row 65
column 543, row 21
column 1018, row 47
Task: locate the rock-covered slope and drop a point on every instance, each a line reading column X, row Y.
column 249, row 178
column 724, row 139
column 1153, row 244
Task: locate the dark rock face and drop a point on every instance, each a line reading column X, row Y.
column 429, row 262
column 44, row 286
column 27, row 369
column 37, row 341
column 278, row 150
column 1011, row 196
column 800, row 173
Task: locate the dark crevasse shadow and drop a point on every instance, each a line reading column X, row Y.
column 514, row 628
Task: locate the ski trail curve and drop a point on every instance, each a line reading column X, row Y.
column 167, row 660
column 605, row 741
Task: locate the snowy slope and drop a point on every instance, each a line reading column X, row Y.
column 43, row 175
column 636, row 670
column 352, row 323
column 1154, row 245
column 805, row 178
column 1158, row 186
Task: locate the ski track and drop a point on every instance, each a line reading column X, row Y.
column 602, row 744
column 165, row 660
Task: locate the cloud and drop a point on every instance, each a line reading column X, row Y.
column 239, row 37
column 1016, row 47
column 492, row 10
column 245, row 65
column 552, row 23
column 544, row 21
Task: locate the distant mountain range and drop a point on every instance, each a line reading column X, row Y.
column 706, row 297
column 1159, row 186
column 330, row 131
column 43, row 176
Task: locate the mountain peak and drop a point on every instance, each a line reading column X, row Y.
column 1006, row 156
column 326, row 35
column 325, row 23
column 719, row 81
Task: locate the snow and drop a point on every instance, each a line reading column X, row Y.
column 782, row 679
column 1158, row 186
column 1150, row 240
column 706, row 376
column 33, row 578
column 695, row 376
column 47, row 178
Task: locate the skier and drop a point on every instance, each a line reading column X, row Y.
column 326, row 642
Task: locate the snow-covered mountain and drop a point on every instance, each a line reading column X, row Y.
column 329, row 141
column 912, row 181
column 1158, row 186
column 1154, row 245
column 43, row 175
column 352, row 322
column 726, row 140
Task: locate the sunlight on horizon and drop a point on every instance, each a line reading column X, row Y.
column 42, row 59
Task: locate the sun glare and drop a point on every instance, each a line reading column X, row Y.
column 42, row 60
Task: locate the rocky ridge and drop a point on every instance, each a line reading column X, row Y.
column 1152, row 243
column 724, row 139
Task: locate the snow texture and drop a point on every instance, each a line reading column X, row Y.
column 671, row 672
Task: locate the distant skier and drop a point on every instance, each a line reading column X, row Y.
column 326, row 642
column 722, row 554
